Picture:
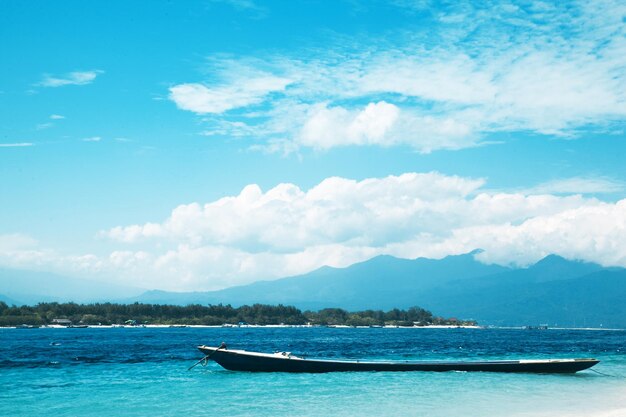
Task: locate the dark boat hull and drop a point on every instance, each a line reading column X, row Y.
column 240, row 360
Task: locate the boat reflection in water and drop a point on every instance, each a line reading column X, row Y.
column 241, row 360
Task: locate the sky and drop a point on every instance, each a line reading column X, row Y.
column 206, row 144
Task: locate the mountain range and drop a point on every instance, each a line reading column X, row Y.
column 554, row 291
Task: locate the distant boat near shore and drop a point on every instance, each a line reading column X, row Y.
column 539, row 327
column 26, row 326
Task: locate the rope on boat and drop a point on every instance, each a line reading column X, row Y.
column 207, row 357
column 603, row 374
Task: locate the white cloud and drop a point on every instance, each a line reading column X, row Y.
column 574, row 185
column 251, row 8
column 201, row 99
column 72, row 78
column 16, row 241
column 42, row 126
column 549, row 94
column 329, row 127
column 552, row 71
column 287, row 231
column 337, row 210
column 23, row 252
column 443, row 77
column 92, row 139
column 56, row 117
column 16, row 145
column 321, row 126
column 595, row 233
column 132, row 233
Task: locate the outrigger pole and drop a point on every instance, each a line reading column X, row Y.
column 207, row 357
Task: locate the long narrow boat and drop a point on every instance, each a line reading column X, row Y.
column 241, row 360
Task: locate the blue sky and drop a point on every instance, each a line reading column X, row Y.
column 147, row 142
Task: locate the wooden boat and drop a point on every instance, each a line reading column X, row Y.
column 241, row 360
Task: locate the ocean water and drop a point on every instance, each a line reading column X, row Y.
column 143, row 372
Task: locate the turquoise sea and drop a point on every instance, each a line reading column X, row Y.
column 143, row 372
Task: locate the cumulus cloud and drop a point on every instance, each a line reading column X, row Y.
column 594, row 232
column 337, row 210
column 72, row 78
column 329, row 127
column 372, row 212
column 287, row 230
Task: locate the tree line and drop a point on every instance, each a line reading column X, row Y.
column 196, row 314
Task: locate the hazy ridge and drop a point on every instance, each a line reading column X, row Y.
column 555, row 291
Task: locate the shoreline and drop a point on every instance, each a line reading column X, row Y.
column 279, row 326
column 235, row 326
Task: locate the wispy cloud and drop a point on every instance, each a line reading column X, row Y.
column 201, row 99
column 551, row 70
column 255, row 10
column 42, row 126
column 578, row 185
column 15, row 242
column 47, row 125
column 16, row 145
column 72, row 78
column 92, row 139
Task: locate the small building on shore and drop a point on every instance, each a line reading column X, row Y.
column 62, row 322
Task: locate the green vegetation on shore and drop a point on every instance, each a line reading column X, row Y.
column 195, row 314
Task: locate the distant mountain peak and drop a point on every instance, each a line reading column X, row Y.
column 554, row 260
column 555, row 267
